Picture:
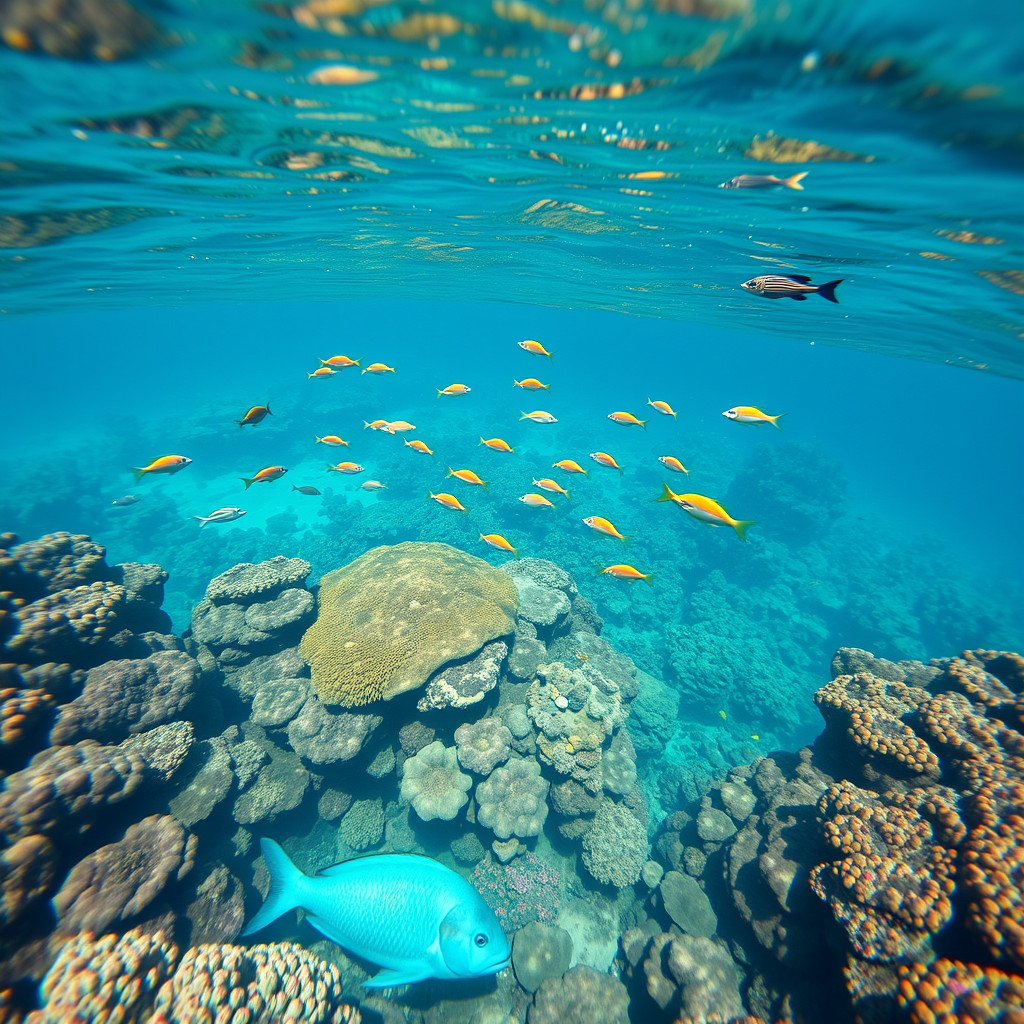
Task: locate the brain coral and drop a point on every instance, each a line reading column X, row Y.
column 483, row 745
column 397, row 613
column 433, row 784
column 513, row 800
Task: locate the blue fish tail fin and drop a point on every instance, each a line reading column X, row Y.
column 828, row 291
column 283, row 894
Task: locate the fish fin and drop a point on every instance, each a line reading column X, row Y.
column 514, row 553
column 775, row 420
column 139, row 473
column 482, row 441
column 245, row 480
column 625, row 538
column 799, row 298
column 643, row 423
column 241, row 423
column 647, row 579
column 267, row 407
column 666, row 493
column 282, row 895
column 294, row 488
column 794, row 181
column 799, row 278
column 523, row 415
column 566, row 493
column 438, row 390
column 389, row 978
column 828, row 290
column 327, row 931
column 741, row 526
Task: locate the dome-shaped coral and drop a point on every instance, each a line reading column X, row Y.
column 512, row 801
column 615, row 847
column 433, row 784
column 483, row 745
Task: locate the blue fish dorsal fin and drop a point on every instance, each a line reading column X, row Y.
column 388, row 978
column 334, row 869
column 799, row 278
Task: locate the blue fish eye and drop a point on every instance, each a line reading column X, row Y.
column 481, row 939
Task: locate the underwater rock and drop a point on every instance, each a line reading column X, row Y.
column 224, row 626
column 278, row 701
column 433, row 784
column 465, row 683
column 581, row 996
column 512, row 800
column 384, row 763
column 291, row 608
column 540, row 951
column 163, row 750
column 615, row 847
column 248, row 582
column 54, row 562
column 482, row 746
column 694, row 978
column 324, row 737
column 413, row 737
column 279, row 786
column 404, row 611
column 714, row 826
column 28, row 874
column 526, row 656
column 618, row 771
column 206, row 780
column 362, row 827
column 145, row 580
column 214, row 906
column 685, row 902
column 467, row 849
column 249, row 679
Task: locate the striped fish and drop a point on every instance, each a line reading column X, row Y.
column 222, row 515
column 792, row 286
column 765, row 181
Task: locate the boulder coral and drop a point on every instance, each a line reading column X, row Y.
column 433, row 784
column 615, row 847
column 512, row 800
column 396, row 614
column 483, row 745
column 580, row 996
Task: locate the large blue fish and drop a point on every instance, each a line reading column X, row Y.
column 411, row 915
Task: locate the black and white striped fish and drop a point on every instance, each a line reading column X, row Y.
column 792, row 286
column 222, row 515
column 765, row 181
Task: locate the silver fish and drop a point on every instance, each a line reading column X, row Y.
column 128, row 499
column 792, row 286
column 222, row 515
column 765, row 181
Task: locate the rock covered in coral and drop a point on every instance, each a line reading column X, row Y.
column 540, row 951
column 250, row 582
column 687, row 904
column 323, row 736
column 512, row 800
column 279, row 784
column 362, row 827
column 524, row 889
column 692, row 977
column 580, row 996
column 466, row 683
column 615, row 847
column 483, row 745
column 403, row 612
column 433, row 783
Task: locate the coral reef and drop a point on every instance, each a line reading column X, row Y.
column 433, row 784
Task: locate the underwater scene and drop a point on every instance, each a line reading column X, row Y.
column 510, row 512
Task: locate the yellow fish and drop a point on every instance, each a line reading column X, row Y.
column 497, row 541
column 707, row 510
column 754, row 736
column 398, row 426
column 663, row 407
column 372, row 485
column 419, row 446
column 550, row 485
column 324, row 371
column 604, row 459
column 750, row 414
column 536, row 500
column 449, row 501
column 467, row 476
column 257, row 414
column 453, row 389
column 377, row 425
column 332, row 440
column 339, row 362
column 722, row 715
column 165, row 464
column 530, row 384
column 602, row 525
column 496, row 444
column 535, row 347
column 671, row 462
column 345, row 467
column 379, row 368
column 569, row 466
column 627, row 419
column 626, row 572
column 539, row 416
column 264, row 476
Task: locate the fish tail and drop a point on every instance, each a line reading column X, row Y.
column 666, row 493
column 523, row 415
column 139, row 473
column 546, row 387
column 482, row 441
column 202, row 521
column 741, row 526
column 794, row 181
column 486, row 486
column 451, row 472
column 310, row 376
column 775, row 420
column 241, row 423
column 366, row 424
column 248, row 483
column 283, row 894
column 323, row 362
column 317, row 439
column 828, row 290
column 267, row 407
column 625, row 538
column 647, row 579
column 438, row 390
column 294, row 488
column 566, row 493
column 643, row 423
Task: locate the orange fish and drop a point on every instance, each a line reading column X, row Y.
column 453, row 389
column 419, row 446
column 569, row 466
column 378, row 368
column 538, row 417
column 751, row 414
column 626, row 572
column 497, row 541
column 324, row 371
column 339, row 362
column 627, row 419
column 663, row 407
column 264, row 476
column 531, row 384
column 536, row 500
column 165, row 464
column 467, row 476
column 604, row 459
column 332, row 440
column 671, row 462
column 602, row 525
column 535, row 347
column 398, row 426
column 257, row 414
column 372, row 485
column 449, row 501
column 345, row 467
column 707, row 510
column 496, row 444
column 377, row 425
column 550, row 485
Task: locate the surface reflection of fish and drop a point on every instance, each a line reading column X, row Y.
column 257, row 414
column 792, row 286
column 165, row 464
column 221, row 515
column 128, row 499
column 305, row 489
column 765, row 181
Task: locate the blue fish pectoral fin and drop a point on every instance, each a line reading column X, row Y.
column 389, row 977
column 282, row 895
column 328, row 931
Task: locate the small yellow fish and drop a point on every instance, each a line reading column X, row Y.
column 497, row 541
column 419, row 446
column 372, row 485
column 331, row 440
column 707, row 510
column 750, row 414
column 377, row 425
column 496, row 444
column 535, row 347
column 454, row 389
column 569, row 466
column 602, row 525
column 339, row 362
column 165, row 464
column 536, row 501
column 604, row 459
column 626, row 572
column 378, row 368
column 547, row 484
column 663, row 407
column 346, row 467
column 467, row 476
column 324, row 371
column 627, row 419
column 398, row 427
column 765, row 181
column 531, row 384
column 754, row 736
column 264, row 476
column 257, row 414
column 539, row 416
column 449, row 501
column 671, row 462
column 722, row 715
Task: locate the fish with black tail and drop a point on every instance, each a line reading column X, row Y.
column 791, row 286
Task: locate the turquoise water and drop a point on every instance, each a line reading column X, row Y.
column 188, row 232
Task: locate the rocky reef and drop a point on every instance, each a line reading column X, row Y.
column 875, row 875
